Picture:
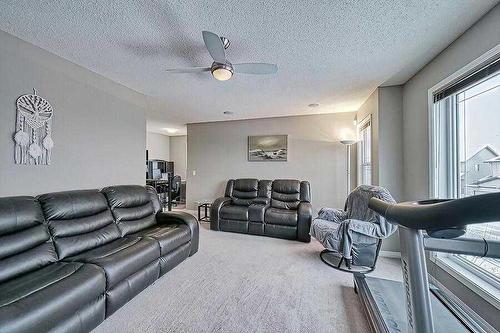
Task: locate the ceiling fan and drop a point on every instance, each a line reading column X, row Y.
column 221, row 68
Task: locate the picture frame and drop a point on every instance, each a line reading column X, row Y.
column 268, row 148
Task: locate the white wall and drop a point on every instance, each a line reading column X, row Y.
column 218, row 152
column 158, row 146
column 178, row 154
column 98, row 125
column 476, row 41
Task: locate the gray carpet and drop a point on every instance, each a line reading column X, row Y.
column 243, row 283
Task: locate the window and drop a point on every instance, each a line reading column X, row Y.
column 465, row 139
column 364, row 152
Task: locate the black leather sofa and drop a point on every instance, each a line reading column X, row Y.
column 70, row 259
column 279, row 208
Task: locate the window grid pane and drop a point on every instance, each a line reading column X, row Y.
column 466, row 138
column 365, row 155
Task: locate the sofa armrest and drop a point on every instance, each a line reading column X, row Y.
column 304, row 218
column 215, row 210
column 256, row 212
column 165, row 218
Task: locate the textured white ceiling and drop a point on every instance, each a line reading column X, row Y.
column 329, row 52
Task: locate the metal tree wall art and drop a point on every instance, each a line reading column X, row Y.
column 33, row 130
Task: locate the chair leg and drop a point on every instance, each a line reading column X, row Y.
column 348, row 262
column 340, row 262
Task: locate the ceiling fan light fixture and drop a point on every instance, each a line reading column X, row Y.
column 222, row 72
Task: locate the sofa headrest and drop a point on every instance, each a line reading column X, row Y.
column 244, row 191
column 124, row 196
column 72, row 204
column 78, row 220
column 19, row 213
column 25, row 243
column 246, row 185
column 288, row 193
column 133, row 207
column 286, row 186
column 153, row 196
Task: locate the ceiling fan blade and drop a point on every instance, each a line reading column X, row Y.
column 215, row 46
column 255, row 68
column 189, row 70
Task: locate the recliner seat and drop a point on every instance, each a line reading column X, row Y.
column 234, row 216
column 279, row 208
column 84, row 231
column 70, row 259
column 136, row 213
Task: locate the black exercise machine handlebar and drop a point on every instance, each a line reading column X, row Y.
column 446, row 218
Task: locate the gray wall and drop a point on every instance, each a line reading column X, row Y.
column 178, row 154
column 218, row 152
column 385, row 105
column 98, row 126
column 371, row 107
column 480, row 38
column 158, row 146
column 390, row 140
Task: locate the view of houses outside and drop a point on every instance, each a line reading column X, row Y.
column 479, row 143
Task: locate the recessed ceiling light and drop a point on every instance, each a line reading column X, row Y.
column 228, row 112
column 171, row 130
column 313, row 105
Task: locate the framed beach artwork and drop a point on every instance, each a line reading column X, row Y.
column 263, row 148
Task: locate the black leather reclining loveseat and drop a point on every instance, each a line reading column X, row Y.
column 70, row 259
column 279, row 208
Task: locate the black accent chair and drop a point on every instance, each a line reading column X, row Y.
column 176, row 189
column 279, row 208
column 70, row 259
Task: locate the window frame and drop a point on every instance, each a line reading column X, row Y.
column 465, row 71
column 363, row 124
column 472, row 277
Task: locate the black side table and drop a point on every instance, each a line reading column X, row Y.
column 206, row 206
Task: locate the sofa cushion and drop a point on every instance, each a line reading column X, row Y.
column 132, row 207
column 78, row 220
column 285, row 194
column 40, row 300
column 280, row 231
column 244, row 191
column 169, row 236
column 233, row 212
column 234, row 226
column 25, row 243
column 264, row 192
column 281, row 217
column 121, row 258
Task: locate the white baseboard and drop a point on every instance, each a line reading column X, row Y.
column 390, row 254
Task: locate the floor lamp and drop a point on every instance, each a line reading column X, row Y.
column 348, row 144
